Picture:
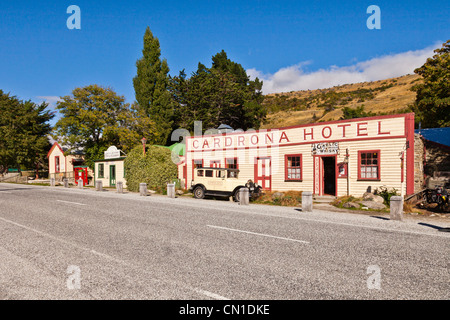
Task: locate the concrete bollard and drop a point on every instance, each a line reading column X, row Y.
column 396, row 204
column 52, row 182
column 143, row 189
column 80, row 183
column 171, row 190
column 244, row 196
column 99, row 185
column 66, row 183
column 307, row 201
column 119, row 187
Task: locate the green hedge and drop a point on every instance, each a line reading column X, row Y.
column 156, row 168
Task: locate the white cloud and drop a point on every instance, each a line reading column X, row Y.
column 51, row 100
column 293, row 78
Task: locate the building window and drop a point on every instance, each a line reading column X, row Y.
column 101, row 170
column 293, row 167
column 57, row 168
column 231, row 163
column 214, row 164
column 197, row 164
column 369, row 165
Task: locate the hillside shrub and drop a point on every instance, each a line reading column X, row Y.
column 156, row 168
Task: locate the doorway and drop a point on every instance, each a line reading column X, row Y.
column 112, row 176
column 329, row 175
column 263, row 172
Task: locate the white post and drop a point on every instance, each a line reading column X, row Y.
column 244, row 196
column 396, row 204
column 171, row 190
column 80, row 183
column 99, row 185
column 119, row 186
column 143, row 189
column 307, row 201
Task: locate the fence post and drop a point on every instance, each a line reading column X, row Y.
column 171, row 190
column 119, row 186
column 307, row 201
column 143, row 189
column 396, row 204
column 99, row 185
column 244, row 196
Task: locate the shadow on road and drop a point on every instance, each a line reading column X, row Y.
column 435, row 227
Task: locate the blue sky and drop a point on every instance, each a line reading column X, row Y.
column 291, row 45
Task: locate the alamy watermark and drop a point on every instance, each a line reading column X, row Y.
column 374, row 280
column 74, row 280
column 74, row 20
column 374, row 21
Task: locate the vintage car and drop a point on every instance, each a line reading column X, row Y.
column 221, row 182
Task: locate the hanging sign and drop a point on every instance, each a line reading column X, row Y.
column 323, row 148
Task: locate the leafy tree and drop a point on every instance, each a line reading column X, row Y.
column 24, row 130
column 151, row 85
column 432, row 104
column 94, row 118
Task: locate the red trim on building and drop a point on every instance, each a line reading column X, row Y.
column 53, row 147
column 409, row 130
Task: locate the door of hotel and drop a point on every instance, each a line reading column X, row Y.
column 325, row 177
column 263, row 172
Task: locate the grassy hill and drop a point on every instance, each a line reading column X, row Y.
column 388, row 96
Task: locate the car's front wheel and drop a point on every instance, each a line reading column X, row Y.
column 199, row 192
column 237, row 196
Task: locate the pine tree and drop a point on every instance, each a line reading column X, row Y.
column 151, row 85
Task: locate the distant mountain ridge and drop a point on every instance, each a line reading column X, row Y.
column 388, row 96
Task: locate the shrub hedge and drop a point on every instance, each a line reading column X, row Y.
column 156, row 168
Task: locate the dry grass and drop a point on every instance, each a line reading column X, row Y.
column 288, row 198
column 392, row 100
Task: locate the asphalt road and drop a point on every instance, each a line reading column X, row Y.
column 58, row 243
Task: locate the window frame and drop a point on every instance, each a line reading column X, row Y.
column 101, row 173
column 286, row 167
column 378, row 178
column 57, row 165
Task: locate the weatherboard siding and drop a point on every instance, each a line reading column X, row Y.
column 388, row 135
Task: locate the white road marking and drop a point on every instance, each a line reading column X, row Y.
column 259, row 234
column 127, row 264
column 70, row 202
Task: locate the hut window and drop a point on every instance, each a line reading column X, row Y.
column 101, row 170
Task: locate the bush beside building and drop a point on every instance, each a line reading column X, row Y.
column 154, row 168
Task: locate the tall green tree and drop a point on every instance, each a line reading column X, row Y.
column 221, row 94
column 94, row 118
column 151, row 86
column 24, row 130
column 432, row 104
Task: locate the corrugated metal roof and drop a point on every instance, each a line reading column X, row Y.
column 439, row 135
